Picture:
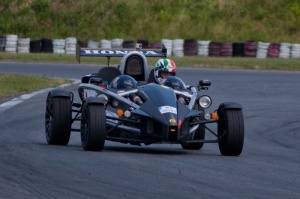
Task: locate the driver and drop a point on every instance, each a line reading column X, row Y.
column 163, row 68
column 164, row 73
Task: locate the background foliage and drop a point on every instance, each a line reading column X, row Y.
column 215, row 20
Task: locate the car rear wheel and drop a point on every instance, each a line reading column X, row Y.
column 93, row 127
column 231, row 131
column 58, row 120
column 199, row 135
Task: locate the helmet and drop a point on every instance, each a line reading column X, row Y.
column 173, row 82
column 123, row 82
column 164, row 65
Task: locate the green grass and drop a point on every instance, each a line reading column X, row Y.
column 187, row 61
column 215, row 20
column 11, row 85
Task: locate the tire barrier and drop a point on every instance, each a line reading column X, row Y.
column 70, row 45
column 115, row 43
column 144, row 42
column 2, row 43
column 128, row 44
column 155, row 45
column 93, row 44
column 104, row 43
column 285, row 50
column 238, row 49
column 11, row 43
column 262, row 50
column 190, row 47
column 82, row 44
column 177, row 47
column 35, row 46
column 250, row 48
column 168, row 44
column 226, row 49
column 273, row 50
column 203, row 48
column 295, row 51
column 23, row 45
column 47, row 45
column 58, row 46
column 214, row 49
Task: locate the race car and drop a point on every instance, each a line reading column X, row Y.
column 117, row 104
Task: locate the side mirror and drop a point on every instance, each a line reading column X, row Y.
column 203, row 84
column 95, row 80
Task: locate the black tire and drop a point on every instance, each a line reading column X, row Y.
column 93, row 127
column 199, row 135
column 58, row 120
column 231, row 131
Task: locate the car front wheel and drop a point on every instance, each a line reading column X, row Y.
column 93, row 127
column 231, row 131
column 58, row 120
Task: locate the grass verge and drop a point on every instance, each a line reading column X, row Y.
column 187, row 61
column 11, row 85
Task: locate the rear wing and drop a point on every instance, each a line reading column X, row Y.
column 118, row 52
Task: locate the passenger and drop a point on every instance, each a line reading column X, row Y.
column 124, row 82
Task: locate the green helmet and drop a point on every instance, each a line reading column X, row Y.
column 164, row 65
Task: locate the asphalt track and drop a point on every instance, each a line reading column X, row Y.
column 269, row 166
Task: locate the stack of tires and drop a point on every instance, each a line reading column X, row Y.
column 177, row 47
column 144, row 42
column 93, row 44
column 35, row 46
column 226, row 49
column 82, row 44
column 238, row 49
column 250, row 48
column 273, row 50
column 262, row 50
column 47, row 45
column 168, row 44
column 23, row 45
column 203, row 48
column 104, row 43
column 128, row 44
column 11, row 43
column 58, row 46
column 214, row 49
column 115, row 43
column 2, row 43
column 295, row 51
column 285, row 50
column 155, row 45
column 70, row 45
column 190, row 47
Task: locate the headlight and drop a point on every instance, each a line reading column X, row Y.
column 204, row 101
column 115, row 103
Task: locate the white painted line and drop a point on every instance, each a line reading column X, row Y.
column 18, row 100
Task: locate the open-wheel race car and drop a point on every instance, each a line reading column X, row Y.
column 117, row 104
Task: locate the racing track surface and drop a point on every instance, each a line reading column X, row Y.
column 269, row 166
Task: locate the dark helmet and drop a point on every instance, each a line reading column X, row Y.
column 173, row 82
column 123, row 82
